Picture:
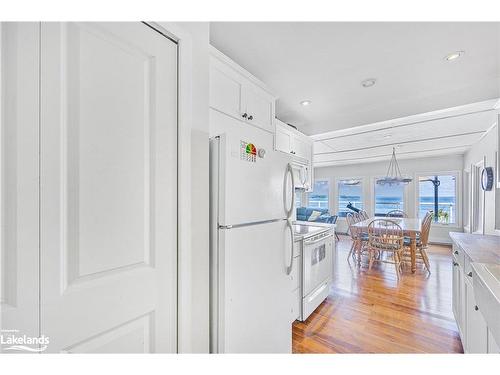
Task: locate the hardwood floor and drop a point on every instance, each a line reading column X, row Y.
column 368, row 312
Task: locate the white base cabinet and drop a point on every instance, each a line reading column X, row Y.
column 493, row 347
column 472, row 326
column 477, row 331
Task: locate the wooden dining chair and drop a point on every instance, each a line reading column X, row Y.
column 359, row 239
column 386, row 236
column 396, row 213
column 352, row 231
column 422, row 243
column 364, row 214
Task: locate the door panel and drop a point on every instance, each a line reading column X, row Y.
column 259, row 106
column 477, row 331
column 225, row 89
column 283, row 140
column 108, row 188
column 19, row 104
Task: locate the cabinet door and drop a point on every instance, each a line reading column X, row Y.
column 283, row 140
column 493, row 347
column 225, row 89
column 301, row 147
column 456, row 286
column 19, row 204
column 259, row 105
column 108, row 188
column 477, row 331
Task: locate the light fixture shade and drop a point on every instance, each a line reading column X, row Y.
column 393, row 176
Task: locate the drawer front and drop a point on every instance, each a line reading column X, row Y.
column 467, row 268
column 458, row 255
column 314, row 299
column 295, row 274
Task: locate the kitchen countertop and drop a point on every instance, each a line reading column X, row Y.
column 304, row 229
column 479, row 248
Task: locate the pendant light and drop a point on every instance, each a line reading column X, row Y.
column 393, row 176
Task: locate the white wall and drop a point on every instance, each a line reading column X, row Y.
column 369, row 171
column 486, row 147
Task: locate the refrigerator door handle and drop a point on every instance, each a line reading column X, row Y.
column 290, row 267
column 289, row 170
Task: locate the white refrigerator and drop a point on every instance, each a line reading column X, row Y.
column 251, row 239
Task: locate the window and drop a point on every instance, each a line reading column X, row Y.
column 319, row 196
column 438, row 193
column 349, row 191
column 388, row 198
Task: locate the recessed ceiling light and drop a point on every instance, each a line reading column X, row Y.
column 368, row 82
column 454, row 55
column 305, row 102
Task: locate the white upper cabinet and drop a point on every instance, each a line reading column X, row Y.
column 259, row 106
column 293, row 142
column 225, row 89
column 300, row 146
column 283, row 140
column 235, row 92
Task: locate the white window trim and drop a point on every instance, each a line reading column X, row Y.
column 305, row 196
column 458, row 196
column 406, row 200
column 475, row 187
column 336, row 187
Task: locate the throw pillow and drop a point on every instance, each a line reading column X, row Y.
column 314, row 216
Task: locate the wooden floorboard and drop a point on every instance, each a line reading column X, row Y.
column 370, row 312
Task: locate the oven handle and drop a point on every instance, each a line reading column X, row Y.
column 319, row 240
column 289, row 268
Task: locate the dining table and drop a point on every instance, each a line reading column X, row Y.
column 411, row 228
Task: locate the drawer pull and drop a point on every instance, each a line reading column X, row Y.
column 455, row 264
column 456, row 252
column 476, row 308
column 469, row 274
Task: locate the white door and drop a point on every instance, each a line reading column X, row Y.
column 254, row 289
column 19, row 105
column 258, row 106
column 225, row 89
column 283, row 139
column 108, row 188
column 477, row 331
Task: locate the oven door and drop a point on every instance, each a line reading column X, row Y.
column 317, row 261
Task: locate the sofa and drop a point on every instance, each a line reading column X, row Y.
column 303, row 214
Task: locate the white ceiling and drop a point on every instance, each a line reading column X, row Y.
column 325, row 63
column 442, row 132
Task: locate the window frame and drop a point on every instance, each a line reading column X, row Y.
column 305, row 195
column 406, row 202
column 337, row 191
column 458, row 196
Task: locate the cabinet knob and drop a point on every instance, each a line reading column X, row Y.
column 244, row 115
column 476, row 308
column 250, row 117
column 456, row 252
column 469, row 274
column 455, row 264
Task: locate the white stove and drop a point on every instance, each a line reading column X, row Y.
column 317, row 264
